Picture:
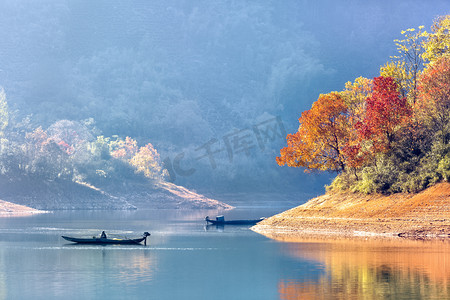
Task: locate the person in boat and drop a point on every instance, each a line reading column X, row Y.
column 103, row 236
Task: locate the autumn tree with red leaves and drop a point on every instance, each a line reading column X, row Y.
column 386, row 113
column 355, row 96
column 433, row 106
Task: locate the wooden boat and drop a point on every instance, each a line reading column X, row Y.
column 220, row 220
column 103, row 240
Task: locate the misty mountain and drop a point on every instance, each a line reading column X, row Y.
column 214, row 85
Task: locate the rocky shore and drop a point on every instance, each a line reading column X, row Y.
column 420, row 216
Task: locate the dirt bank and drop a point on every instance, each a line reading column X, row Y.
column 422, row 215
column 11, row 209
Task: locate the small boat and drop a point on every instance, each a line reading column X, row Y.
column 220, row 220
column 103, row 240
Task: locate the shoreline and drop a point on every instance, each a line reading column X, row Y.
column 9, row 209
column 425, row 215
column 45, row 195
column 286, row 233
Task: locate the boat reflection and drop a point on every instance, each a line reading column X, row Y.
column 213, row 227
column 371, row 269
column 221, row 227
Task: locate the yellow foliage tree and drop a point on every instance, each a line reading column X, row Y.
column 147, row 161
column 437, row 43
column 397, row 70
column 355, row 95
column 406, row 67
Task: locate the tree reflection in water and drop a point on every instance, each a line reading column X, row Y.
column 371, row 269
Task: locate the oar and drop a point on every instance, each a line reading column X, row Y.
column 125, row 238
column 146, row 234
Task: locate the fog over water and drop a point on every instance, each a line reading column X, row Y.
column 213, row 85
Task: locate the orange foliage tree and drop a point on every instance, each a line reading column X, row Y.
column 321, row 137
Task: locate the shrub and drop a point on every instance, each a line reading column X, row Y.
column 444, row 167
column 341, row 182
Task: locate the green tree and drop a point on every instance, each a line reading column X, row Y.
column 4, row 112
column 100, row 148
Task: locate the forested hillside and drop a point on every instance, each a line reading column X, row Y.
column 68, row 167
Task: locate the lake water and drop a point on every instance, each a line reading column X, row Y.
column 187, row 260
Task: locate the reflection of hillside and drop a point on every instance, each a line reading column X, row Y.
column 375, row 269
column 75, row 271
column 3, row 287
column 136, row 268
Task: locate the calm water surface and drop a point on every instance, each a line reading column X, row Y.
column 187, row 260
